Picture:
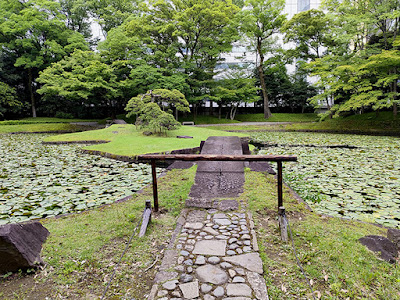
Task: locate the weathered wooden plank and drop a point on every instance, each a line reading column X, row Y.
column 146, row 218
column 210, row 157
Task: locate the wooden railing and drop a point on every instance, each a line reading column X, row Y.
column 208, row 157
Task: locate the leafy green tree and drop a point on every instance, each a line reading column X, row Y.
column 309, row 31
column 8, row 99
column 259, row 21
column 112, row 13
column 33, row 35
column 80, row 82
column 360, row 70
column 236, row 87
column 153, row 109
column 186, row 35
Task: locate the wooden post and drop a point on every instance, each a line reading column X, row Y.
column 280, row 192
column 155, row 191
column 283, row 224
column 146, row 218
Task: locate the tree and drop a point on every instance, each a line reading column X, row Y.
column 32, row 36
column 153, row 109
column 237, row 86
column 80, row 83
column 8, row 99
column 189, row 36
column 259, row 21
column 361, row 71
column 112, row 13
column 309, row 31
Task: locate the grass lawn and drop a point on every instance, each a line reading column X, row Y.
column 278, row 117
column 201, row 119
column 369, row 123
column 41, row 120
column 126, row 140
column 39, row 127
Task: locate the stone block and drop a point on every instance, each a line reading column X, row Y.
column 394, row 236
column 386, row 249
column 20, row 246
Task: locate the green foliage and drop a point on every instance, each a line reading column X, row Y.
column 8, row 99
column 236, row 87
column 259, row 21
column 33, row 35
column 150, row 109
column 187, row 36
column 309, row 30
column 81, row 79
column 361, row 71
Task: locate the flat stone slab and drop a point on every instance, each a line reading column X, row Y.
column 218, row 179
column 249, row 261
column 212, row 274
column 195, row 226
column 210, row 247
column 238, row 289
column 190, row 290
column 257, row 283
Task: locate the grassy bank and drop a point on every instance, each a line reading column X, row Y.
column 126, row 140
column 42, row 125
column 83, row 249
column 328, row 249
column 278, row 117
column 365, row 123
column 369, row 123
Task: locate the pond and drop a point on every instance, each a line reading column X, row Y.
column 351, row 176
column 39, row 180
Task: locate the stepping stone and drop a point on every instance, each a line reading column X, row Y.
column 249, row 261
column 170, row 285
column 224, row 222
column 211, row 231
column 190, row 290
column 211, row 274
column 210, row 247
column 238, row 289
column 197, row 225
column 257, row 283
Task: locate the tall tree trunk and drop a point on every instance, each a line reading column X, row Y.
column 33, row 104
column 267, row 111
column 395, row 99
column 219, row 110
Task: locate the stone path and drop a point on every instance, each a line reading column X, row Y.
column 213, row 253
column 217, row 179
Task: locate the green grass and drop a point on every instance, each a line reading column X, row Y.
column 126, row 140
column 278, row 117
column 41, row 120
column 365, row 123
column 201, row 119
column 328, row 249
column 44, row 127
